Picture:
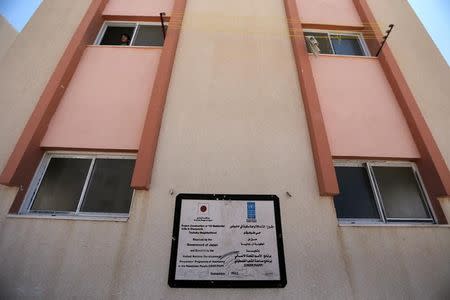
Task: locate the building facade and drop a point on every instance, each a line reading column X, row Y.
column 110, row 109
column 8, row 34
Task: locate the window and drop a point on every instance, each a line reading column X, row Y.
column 81, row 185
column 338, row 43
column 385, row 192
column 131, row 34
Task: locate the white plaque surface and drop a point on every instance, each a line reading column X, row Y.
column 227, row 240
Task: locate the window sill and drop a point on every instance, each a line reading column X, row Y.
column 127, row 47
column 423, row 225
column 345, row 56
column 75, row 218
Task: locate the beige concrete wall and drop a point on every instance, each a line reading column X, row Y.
column 30, row 62
column 26, row 68
column 7, row 35
column 234, row 123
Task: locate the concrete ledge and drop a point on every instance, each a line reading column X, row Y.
column 396, row 225
column 72, row 218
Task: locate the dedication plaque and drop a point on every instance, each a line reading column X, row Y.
column 227, row 241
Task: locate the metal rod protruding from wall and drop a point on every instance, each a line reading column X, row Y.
column 388, row 32
column 161, row 17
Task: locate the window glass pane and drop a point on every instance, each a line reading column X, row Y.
column 324, row 42
column 149, row 35
column 400, row 192
column 61, row 187
column 356, row 198
column 117, row 35
column 109, row 189
column 346, row 44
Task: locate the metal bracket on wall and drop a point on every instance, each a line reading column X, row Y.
column 388, row 32
column 161, row 17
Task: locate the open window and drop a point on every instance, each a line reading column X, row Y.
column 383, row 192
column 337, row 43
column 81, row 185
column 131, row 34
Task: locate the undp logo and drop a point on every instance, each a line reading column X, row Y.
column 251, row 212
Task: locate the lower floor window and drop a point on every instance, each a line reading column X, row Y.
column 381, row 192
column 81, row 184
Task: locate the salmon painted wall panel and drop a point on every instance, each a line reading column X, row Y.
column 334, row 12
column 138, row 7
column 105, row 103
column 361, row 113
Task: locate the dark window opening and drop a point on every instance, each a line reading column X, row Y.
column 109, row 189
column 74, row 185
column 133, row 35
column 401, row 194
column 149, row 35
column 346, row 44
column 114, row 35
column 323, row 40
column 356, row 199
column 381, row 192
column 335, row 43
column 62, row 184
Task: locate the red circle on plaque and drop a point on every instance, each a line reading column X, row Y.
column 203, row 208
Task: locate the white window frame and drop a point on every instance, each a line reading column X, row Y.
column 329, row 33
column 135, row 25
column 368, row 166
column 39, row 176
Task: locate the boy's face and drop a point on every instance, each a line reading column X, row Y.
column 124, row 39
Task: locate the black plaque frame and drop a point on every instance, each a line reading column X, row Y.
column 226, row 283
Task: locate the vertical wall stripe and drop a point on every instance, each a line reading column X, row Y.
column 27, row 153
column 326, row 176
column 149, row 139
column 432, row 166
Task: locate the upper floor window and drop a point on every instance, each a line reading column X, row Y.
column 385, row 192
column 338, row 43
column 81, row 185
column 131, row 34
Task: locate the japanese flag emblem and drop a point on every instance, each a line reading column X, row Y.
column 202, row 208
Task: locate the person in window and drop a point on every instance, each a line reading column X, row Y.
column 124, row 39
